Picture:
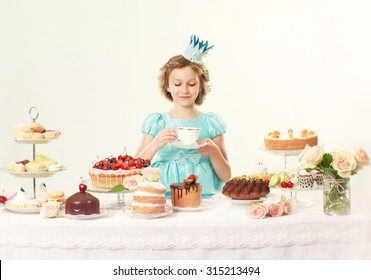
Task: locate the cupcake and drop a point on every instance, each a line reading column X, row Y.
column 305, row 180
column 318, row 178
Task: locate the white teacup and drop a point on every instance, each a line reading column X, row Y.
column 188, row 135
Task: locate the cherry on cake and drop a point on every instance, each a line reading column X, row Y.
column 82, row 203
column 246, row 188
column 274, row 140
column 187, row 193
column 149, row 198
column 122, row 170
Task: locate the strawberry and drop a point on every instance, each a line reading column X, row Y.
column 191, row 179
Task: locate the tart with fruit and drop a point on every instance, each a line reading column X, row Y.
column 123, row 170
column 276, row 141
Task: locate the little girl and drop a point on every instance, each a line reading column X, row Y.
column 184, row 80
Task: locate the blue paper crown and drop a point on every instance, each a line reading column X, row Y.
column 196, row 49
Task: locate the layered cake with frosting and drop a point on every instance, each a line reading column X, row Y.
column 187, row 193
column 123, row 170
column 274, row 140
column 246, row 188
column 82, row 203
column 149, row 198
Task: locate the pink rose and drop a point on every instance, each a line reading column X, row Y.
column 132, row 181
column 50, row 209
column 275, row 210
column 344, row 163
column 257, row 211
column 361, row 158
column 287, row 207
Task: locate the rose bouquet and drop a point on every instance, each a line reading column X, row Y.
column 261, row 210
column 338, row 164
column 336, row 167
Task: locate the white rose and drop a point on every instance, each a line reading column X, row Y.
column 311, row 156
column 50, row 209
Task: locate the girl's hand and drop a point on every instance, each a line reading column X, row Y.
column 165, row 136
column 208, row 150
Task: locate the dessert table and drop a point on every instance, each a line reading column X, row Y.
column 221, row 231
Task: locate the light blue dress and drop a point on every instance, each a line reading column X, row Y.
column 176, row 163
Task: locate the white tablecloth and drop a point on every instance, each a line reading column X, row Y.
column 222, row 231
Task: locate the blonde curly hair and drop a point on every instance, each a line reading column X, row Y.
column 180, row 61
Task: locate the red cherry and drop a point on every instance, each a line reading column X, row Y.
column 266, row 182
column 125, row 166
column 3, row 199
column 83, row 187
column 290, row 184
column 284, row 184
column 147, row 162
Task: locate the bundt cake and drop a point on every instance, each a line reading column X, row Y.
column 245, row 188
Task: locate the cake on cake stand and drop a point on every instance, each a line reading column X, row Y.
column 117, row 204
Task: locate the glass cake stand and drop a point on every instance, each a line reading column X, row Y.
column 301, row 203
column 284, row 153
column 117, row 204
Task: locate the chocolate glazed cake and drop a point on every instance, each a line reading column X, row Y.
column 245, row 188
column 186, row 195
column 82, row 203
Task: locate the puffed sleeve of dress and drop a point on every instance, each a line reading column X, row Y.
column 153, row 123
column 215, row 125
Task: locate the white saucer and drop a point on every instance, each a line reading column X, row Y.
column 32, row 210
column 103, row 211
column 168, row 211
column 204, row 205
column 195, row 145
column 34, row 141
column 41, row 174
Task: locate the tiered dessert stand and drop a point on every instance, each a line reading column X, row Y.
column 301, row 203
column 34, row 114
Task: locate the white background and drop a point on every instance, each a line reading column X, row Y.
column 91, row 69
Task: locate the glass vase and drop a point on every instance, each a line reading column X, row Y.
column 336, row 196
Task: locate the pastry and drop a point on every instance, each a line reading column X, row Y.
column 22, row 200
column 274, row 140
column 57, row 196
column 34, row 166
